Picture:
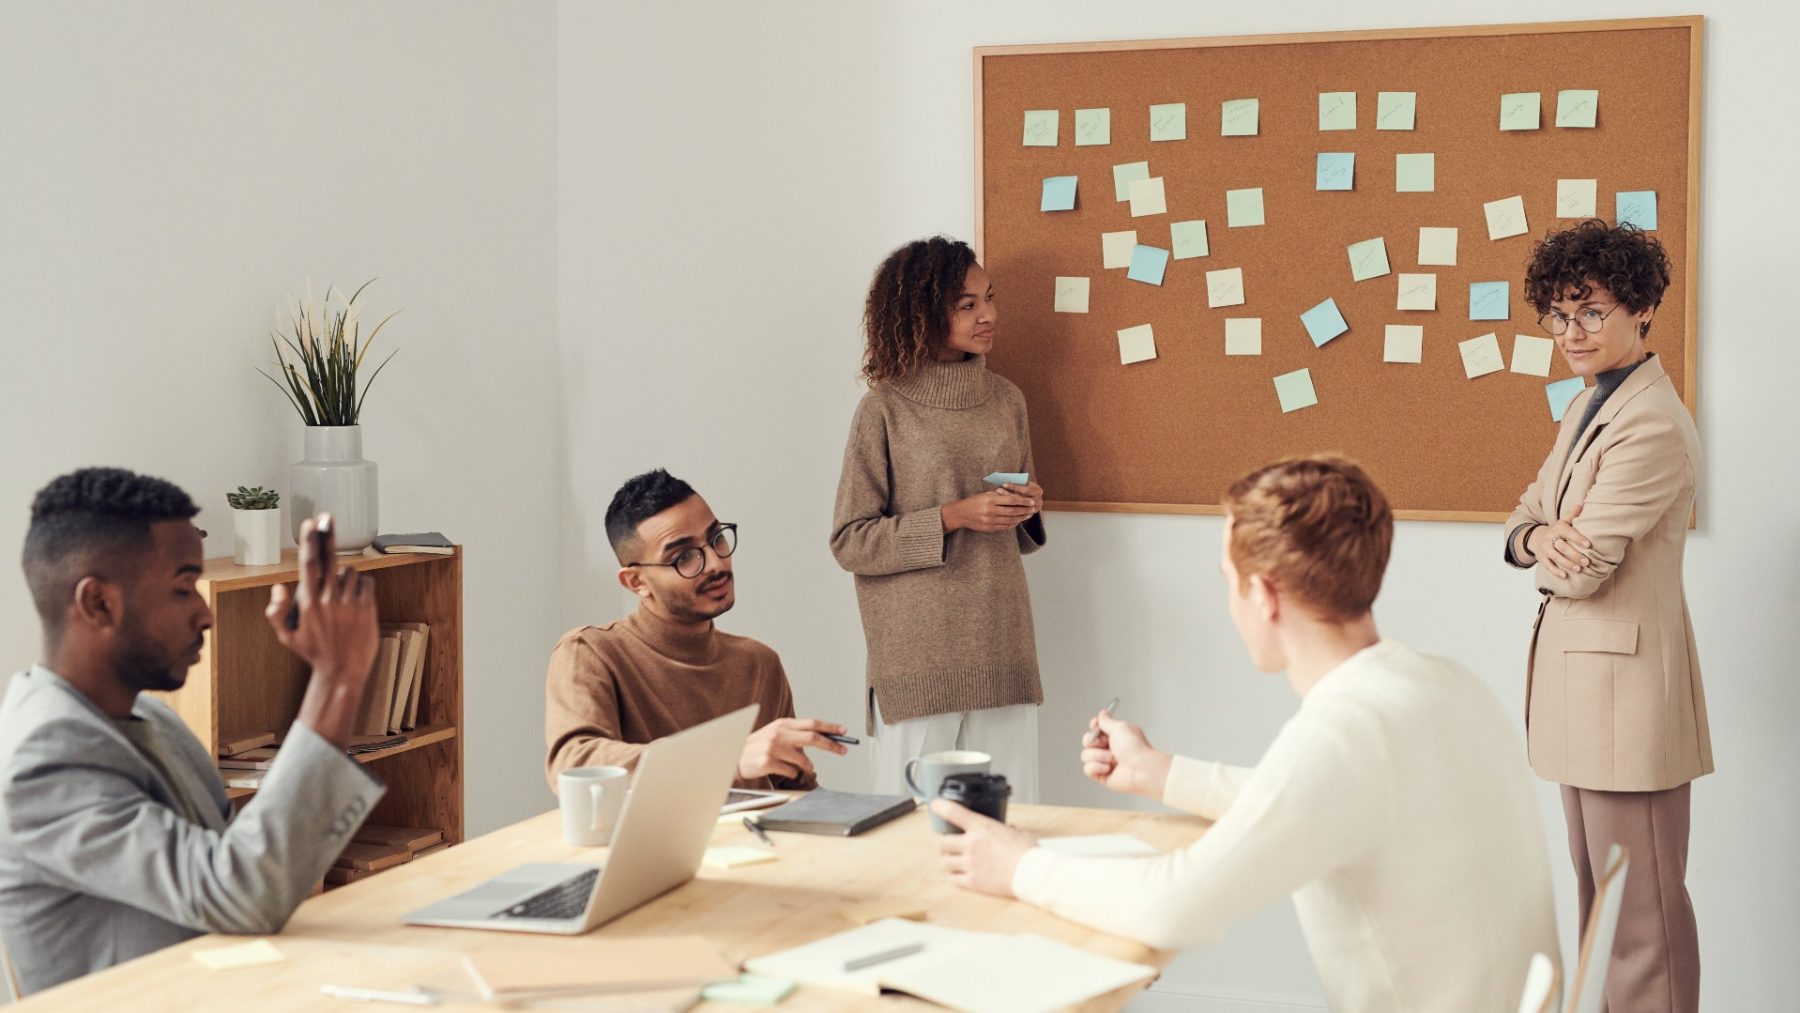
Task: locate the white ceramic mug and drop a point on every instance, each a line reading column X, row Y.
column 932, row 768
column 591, row 799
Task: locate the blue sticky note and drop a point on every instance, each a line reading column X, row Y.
column 1336, row 170
column 1007, row 478
column 1148, row 264
column 1488, row 300
column 1636, row 207
column 1324, row 322
column 1560, row 394
column 1059, row 194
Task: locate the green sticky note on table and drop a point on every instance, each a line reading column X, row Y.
column 1323, row 322
column 1394, row 110
column 1577, row 107
column 1335, row 170
column 1488, row 300
column 1243, row 207
column 1059, row 194
column 1168, row 121
column 1636, row 207
column 1520, row 111
column 1093, row 126
column 749, row 989
column 1337, row 110
column 1296, row 390
column 1415, row 173
column 1368, row 259
column 1040, row 128
column 1126, row 174
column 1238, row 117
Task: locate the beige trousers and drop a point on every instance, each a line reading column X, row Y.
column 1656, row 953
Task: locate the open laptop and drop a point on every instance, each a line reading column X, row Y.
column 662, row 833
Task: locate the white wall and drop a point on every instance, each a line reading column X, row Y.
column 730, row 175
column 169, row 172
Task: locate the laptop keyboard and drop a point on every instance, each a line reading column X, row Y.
column 564, row 900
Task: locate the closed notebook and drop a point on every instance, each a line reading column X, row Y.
column 423, row 541
column 838, row 813
column 613, row 965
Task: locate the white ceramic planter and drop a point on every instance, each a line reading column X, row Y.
column 256, row 537
column 335, row 479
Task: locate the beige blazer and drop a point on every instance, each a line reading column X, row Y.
column 1613, row 696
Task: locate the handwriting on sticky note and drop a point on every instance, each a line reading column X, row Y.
column 1225, row 287
column 1505, row 217
column 1368, row 259
column 1481, row 356
column 1136, row 344
column 1188, row 239
column 224, row 958
column 1040, row 128
column 1337, row 110
column 1577, row 107
column 1519, row 111
column 1336, row 171
column 1238, row 117
column 1636, row 207
column 1576, row 198
column 1295, row 390
column 1093, row 126
column 1415, row 173
column 1168, row 122
column 1417, row 292
column 1403, row 343
column 1071, row 295
column 1394, row 110
column 1488, row 300
column 1243, row 335
column 1437, row 246
column 1243, row 207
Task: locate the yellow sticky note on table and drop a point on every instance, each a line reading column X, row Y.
column 1531, row 354
column 1071, row 295
column 1505, row 217
column 1404, row 343
column 1394, row 110
column 1368, row 259
column 1519, row 111
column 1577, row 107
column 1225, row 288
column 1337, row 110
column 1040, row 127
column 1481, row 356
column 1238, row 117
column 224, row 958
column 1417, row 292
column 1168, row 121
column 1147, row 197
column 1116, row 247
column 1577, row 198
column 1136, row 344
column 1437, row 246
column 732, row 857
column 1093, row 126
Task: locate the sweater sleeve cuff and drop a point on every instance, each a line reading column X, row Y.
column 1032, row 535
column 1201, row 787
column 1512, row 538
column 1031, row 877
column 921, row 539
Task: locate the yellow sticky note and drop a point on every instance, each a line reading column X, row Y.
column 1243, row 335
column 1505, row 217
column 1040, row 127
column 1225, row 288
column 1437, row 246
column 1481, row 356
column 1519, row 111
column 1168, row 122
column 1531, row 354
column 1577, row 107
column 731, row 858
column 1394, row 110
column 1136, row 344
column 1368, row 259
column 1404, row 343
column 1417, row 292
column 1576, row 198
column 1147, row 197
column 1238, row 117
column 1071, row 295
column 1116, row 247
column 1337, row 110
column 224, row 958
column 1093, row 126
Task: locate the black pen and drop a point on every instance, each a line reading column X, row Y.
column 842, row 740
column 758, row 831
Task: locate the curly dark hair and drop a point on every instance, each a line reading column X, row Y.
column 1623, row 259
column 95, row 521
column 907, row 316
column 640, row 497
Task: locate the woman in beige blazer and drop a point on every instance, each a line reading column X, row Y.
column 1615, row 711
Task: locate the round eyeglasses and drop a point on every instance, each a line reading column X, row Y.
column 691, row 561
column 1588, row 318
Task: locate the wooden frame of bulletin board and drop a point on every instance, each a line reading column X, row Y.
column 1167, row 434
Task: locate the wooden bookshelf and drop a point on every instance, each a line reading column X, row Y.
column 246, row 681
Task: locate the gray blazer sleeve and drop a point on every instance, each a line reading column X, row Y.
column 86, row 824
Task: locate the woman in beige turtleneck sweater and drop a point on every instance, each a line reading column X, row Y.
column 935, row 548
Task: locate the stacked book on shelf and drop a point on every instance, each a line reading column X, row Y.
column 391, row 701
column 374, row 848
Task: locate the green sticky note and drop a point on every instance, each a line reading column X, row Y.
column 1368, row 259
column 1238, row 116
column 1415, row 173
column 1093, row 126
column 1394, row 110
column 1519, row 111
column 1168, row 122
column 1040, row 128
column 1243, row 207
column 750, row 989
column 1126, row 174
column 1337, row 110
column 1296, row 390
column 1188, row 239
column 1577, row 107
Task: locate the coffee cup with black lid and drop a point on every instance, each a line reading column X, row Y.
column 982, row 793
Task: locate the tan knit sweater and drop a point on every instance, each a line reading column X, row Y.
column 616, row 688
column 947, row 617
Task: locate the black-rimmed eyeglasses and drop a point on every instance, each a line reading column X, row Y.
column 1588, row 318
column 691, row 562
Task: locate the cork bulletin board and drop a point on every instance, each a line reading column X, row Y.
column 1166, row 434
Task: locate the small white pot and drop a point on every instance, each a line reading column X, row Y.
column 258, row 537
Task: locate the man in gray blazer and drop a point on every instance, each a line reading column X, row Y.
column 116, row 838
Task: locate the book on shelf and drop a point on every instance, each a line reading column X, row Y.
column 234, row 743
column 411, row 838
column 251, row 779
column 373, row 857
column 338, row 875
column 429, row 542
column 378, row 695
column 360, row 744
column 261, row 758
column 408, row 674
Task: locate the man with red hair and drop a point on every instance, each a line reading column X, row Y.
column 1393, row 805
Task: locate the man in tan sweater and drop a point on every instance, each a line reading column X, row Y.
column 614, row 689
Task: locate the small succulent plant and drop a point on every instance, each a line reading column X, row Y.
column 253, row 499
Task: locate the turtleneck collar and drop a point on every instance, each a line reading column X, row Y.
column 1609, row 381
column 671, row 641
column 962, row 384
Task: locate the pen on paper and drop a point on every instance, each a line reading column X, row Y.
column 858, row 963
column 750, row 824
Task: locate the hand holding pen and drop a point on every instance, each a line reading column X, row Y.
column 1116, row 754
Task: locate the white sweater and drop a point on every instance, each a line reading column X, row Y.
column 1396, row 807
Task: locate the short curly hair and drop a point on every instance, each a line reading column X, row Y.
column 641, row 497
column 907, row 317
column 1623, row 259
column 88, row 522
column 1316, row 527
